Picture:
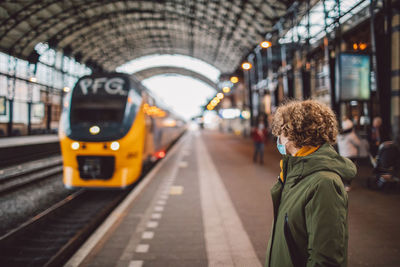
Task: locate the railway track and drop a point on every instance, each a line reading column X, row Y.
column 51, row 237
column 20, row 176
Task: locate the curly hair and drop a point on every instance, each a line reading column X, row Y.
column 306, row 123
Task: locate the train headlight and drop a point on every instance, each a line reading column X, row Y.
column 75, row 145
column 114, row 146
column 94, row 130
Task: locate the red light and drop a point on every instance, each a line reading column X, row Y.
column 160, row 154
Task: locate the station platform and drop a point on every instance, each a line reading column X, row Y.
column 21, row 149
column 208, row 204
column 28, row 140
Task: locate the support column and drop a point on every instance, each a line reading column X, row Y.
column 335, row 103
column 12, row 70
column 395, row 72
column 283, row 63
column 247, row 88
column 62, row 93
column 260, row 76
column 306, row 68
column 48, row 108
column 253, row 93
column 31, row 72
column 269, row 63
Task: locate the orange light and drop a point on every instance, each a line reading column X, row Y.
column 234, row 79
column 266, row 44
column 160, row 154
column 246, row 66
column 355, row 46
column 153, row 111
column 326, row 42
column 362, row 46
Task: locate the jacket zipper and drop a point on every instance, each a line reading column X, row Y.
column 294, row 255
column 274, row 226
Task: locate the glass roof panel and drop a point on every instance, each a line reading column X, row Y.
column 317, row 16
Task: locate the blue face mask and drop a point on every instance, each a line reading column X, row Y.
column 281, row 148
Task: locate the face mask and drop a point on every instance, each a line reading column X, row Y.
column 281, row 147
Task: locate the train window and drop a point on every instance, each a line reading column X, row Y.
column 134, row 98
column 103, row 110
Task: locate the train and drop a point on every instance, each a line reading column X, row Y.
column 111, row 126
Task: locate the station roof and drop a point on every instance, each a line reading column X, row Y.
column 150, row 72
column 108, row 33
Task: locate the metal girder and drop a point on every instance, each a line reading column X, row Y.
column 103, row 54
column 78, row 32
column 219, row 32
column 150, row 72
column 96, row 36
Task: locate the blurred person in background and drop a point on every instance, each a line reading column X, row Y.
column 349, row 144
column 376, row 135
column 309, row 200
column 259, row 135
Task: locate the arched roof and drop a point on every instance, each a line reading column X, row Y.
column 108, row 33
column 150, row 72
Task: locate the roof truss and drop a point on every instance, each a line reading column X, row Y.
column 112, row 32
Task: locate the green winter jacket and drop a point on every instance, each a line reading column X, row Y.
column 310, row 211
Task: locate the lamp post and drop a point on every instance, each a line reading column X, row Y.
column 260, row 64
column 283, row 62
column 254, row 104
column 246, row 66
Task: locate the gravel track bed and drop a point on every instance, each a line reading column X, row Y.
column 21, row 205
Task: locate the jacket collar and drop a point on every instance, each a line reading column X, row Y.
column 289, row 162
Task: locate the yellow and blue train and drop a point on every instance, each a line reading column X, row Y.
column 111, row 125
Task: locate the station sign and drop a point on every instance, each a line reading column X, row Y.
column 353, row 77
column 102, row 85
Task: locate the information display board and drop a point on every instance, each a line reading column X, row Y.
column 353, row 77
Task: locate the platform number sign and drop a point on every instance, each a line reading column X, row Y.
column 3, row 105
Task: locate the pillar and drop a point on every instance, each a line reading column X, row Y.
column 395, row 72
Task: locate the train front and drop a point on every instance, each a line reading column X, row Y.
column 101, row 133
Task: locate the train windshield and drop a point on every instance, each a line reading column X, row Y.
column 99, row 99
column 109, row 101
column 98, row 110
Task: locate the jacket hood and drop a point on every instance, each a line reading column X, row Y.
column 324, row 159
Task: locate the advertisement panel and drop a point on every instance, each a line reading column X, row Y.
column 3, row 105
column 353, row 75
column 38, row 110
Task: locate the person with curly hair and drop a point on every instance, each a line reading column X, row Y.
column 309, row 199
